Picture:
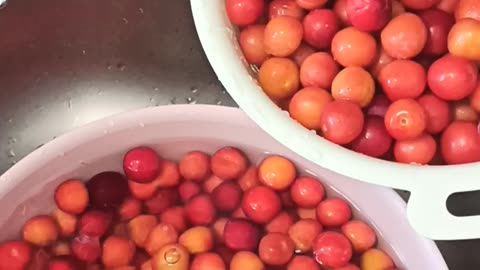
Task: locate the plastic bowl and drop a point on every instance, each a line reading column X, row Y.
column 27, row 188
column 430, row 186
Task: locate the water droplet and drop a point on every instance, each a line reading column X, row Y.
column 121, row 66
column 173, row 101
column 155, row 89
column 11, row 153
column 109, row 66
column 84, row 52
column 3, row 4
column 191, row 100
column 194, row 90
column 125, row 20
column 99, row 92
column 140, row 10
column 13, row 161
column 10, row 120
column 141, row 124
column 224, row 91
column 219, row 102
column 69, row 103
column 12, row 140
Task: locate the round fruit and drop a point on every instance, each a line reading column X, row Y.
column 200, row 210
column 207, row 261
column 290, row 8
column 463, row 38
column 251, row 43
column 227, row 196
column 196, row 240
column 229, row 163
column 404, row 36
column 306, row 106
column 307, row 192
column 277, row 172
column 368, row 15
column 352, row 47
column 282, row 36
column 405, row 119
column 301, row 262
column 452, row 78
column 107, row 190
column 261, row 204
column 438, row 113
column 303, row 234
column 171, row 257
column 438, row 24
column 332, row 249
column 86, row 248
column 246, row 260
column 276, row 249
column 460, row 143
column 40, row 230
column 375, row 259
column 467, row 9
column 195, row 166
column 374, row 140
column 361, row 235
column 117, row 252
column 162, row 234
column 244, row 12
column 354, row 84
column 15, row 255
column 419, row 150
column 333, row 212
column 94, row 223
column 280, row 223
column 241, row 234
column 402, row 79
column 318, row 70
column 279, row 78
column 71, row 196
column 142, row 164
column 319, row 27
column 342, row 121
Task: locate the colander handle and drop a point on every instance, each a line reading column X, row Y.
column 428, row 214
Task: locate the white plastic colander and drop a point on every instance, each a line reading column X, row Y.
column 430, row 186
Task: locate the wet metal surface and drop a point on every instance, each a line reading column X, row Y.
column 65, row 63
